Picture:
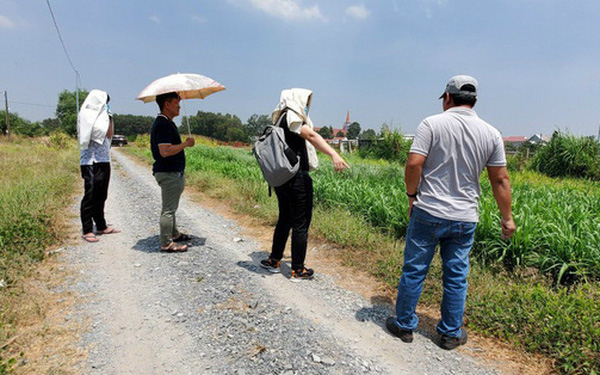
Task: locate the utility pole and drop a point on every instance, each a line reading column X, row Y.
column 6, row 114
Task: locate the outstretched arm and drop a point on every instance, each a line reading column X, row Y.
column 316, row 140
column 500, row 182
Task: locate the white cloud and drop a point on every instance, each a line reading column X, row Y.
column 5, row 22
column 288, row 9
column 358, row 11
column 154, row 19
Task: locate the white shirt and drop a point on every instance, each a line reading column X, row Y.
column 458, row 146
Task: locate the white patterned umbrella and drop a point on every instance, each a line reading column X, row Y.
column 188, row 86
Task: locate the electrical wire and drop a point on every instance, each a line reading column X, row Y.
column 77, row 77
column 61, row 39
column 34, row 104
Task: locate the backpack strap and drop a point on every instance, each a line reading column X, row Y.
column 283, row 113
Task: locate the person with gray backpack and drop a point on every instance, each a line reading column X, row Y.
column 295, row 194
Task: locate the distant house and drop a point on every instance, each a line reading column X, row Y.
column 539, row 139
column 337, row 131
column 514, row 140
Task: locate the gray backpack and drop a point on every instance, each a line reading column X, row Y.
column 277, row 161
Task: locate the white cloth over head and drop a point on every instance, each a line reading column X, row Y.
column 93, row 121
column 297, row 103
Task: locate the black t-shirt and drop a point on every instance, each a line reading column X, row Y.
column 296, row 143
column 164, row 131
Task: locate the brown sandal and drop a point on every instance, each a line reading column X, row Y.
column 174, row 248
column 108, row 230
column 91, row 238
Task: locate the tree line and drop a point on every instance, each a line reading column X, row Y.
column 223, row 127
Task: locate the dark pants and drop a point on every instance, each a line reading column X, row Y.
column 295, row 199
column 95, row 179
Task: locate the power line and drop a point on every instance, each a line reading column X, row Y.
column 60, row 37
column 77, row 77
column 34, row 104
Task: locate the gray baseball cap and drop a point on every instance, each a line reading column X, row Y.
column 456, row 83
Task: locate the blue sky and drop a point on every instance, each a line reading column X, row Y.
column 537, row 61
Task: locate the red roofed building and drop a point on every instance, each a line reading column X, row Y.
column 336, row 131
column 514, row 140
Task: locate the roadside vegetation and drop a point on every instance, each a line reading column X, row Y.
column 36, row 173
column 538, row 291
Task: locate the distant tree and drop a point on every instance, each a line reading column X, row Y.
column 256, row 124
column 19, row 125
column 66, row 110
column 236, row 134
column 353, row 130
column 217, row 125
column 131, row 125
column 368, row 134
column 326, row 132
column 340, row 134
column 391, row 146
column 50, row 125
column 385, row 128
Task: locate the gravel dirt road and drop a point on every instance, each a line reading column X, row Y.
column 213, row 310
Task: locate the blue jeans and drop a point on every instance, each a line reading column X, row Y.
column 456, row 239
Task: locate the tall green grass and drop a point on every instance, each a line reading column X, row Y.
column 558, row 230
column 567, row 155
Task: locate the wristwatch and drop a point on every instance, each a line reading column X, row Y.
column 411, row 195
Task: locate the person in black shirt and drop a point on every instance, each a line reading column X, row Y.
column 295, row 197
column 168, row 169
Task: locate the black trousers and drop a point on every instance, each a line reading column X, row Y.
column 295, row 199
column 95, row 178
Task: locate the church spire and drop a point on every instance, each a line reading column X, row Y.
column 347, row 123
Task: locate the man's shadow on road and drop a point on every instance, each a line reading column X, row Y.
column 383, row 307
column 152, row 244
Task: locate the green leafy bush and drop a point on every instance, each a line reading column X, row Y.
column 59, row 140
column 391, row 146
column 569, row 156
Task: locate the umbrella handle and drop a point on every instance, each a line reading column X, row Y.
column 187, row 119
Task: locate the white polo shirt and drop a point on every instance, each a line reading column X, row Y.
column 458, row 146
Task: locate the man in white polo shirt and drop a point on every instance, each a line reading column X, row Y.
column 447, row 157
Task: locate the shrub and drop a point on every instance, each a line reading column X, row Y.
column 391, row 146
column 143, row 141
column 569, row 156
column 59, row 140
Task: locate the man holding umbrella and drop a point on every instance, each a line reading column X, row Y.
column 168, row 169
